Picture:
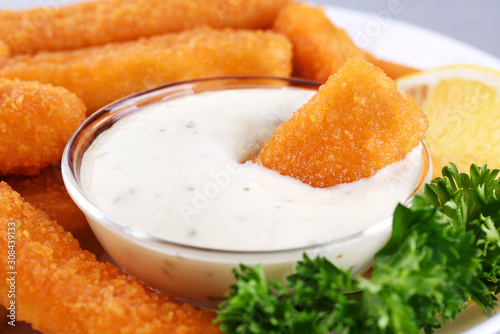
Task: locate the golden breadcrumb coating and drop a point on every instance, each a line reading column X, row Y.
column 4, row 49
column 47, row 192
column 36, row 121
column 357, row 123
column 320, row 48
column 100, row 75
column 62, row 289
column 98, row 22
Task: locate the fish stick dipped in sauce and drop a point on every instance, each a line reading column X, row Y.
column 101, row 75
column 62, row 289
column 322, row 48
column 90, row 23
column 36, row 120
column 356, row 124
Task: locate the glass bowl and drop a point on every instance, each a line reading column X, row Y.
column 201, row 275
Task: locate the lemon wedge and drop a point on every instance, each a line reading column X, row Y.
column 462, row 103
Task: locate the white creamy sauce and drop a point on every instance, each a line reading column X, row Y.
column 174, row 170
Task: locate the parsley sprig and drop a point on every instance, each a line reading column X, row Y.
column 444, row 251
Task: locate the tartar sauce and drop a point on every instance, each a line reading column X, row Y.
column 178, row 170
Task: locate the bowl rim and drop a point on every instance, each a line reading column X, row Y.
column 128, row 103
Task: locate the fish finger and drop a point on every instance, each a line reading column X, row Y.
column 79, row 25
column 59, row 288
column 4, row 49
column 322, row 48
column 47, row 192
column 36, row 121
column 356, row 124
column 100, row 75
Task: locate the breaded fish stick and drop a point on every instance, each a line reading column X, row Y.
column 102, row 21
column 4, row 49
column 61, row 289
column 100, row 75
column 321, row 48
column 36, row 121
column 356, row 124
column 47, row 192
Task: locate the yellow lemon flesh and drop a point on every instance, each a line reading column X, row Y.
column 462, row 104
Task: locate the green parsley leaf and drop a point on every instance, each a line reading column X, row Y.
column 444, row 250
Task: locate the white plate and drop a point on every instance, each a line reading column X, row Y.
column 393, row 40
